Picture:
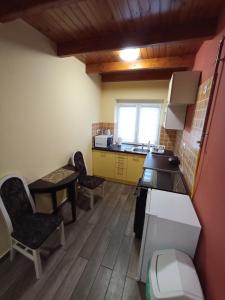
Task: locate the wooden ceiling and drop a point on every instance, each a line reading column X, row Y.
column 169, row 32
column 179, row 48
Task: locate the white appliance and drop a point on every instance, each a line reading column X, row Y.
column 170, row 223
column 160, row 149
column 172, row 275
column 103, row 140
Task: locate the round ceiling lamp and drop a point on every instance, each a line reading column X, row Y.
column 130, row 54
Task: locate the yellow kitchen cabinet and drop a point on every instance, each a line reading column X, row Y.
column 134, row 167
column 124, row 167
column 103, row 164
column 121, row 166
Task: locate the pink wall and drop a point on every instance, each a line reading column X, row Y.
column 209, row 198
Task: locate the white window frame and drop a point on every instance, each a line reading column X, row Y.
column 138, row 105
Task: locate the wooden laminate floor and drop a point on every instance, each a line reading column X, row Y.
column 99, row 262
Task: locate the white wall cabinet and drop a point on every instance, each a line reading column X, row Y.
column 174, row 117
column 183, row 87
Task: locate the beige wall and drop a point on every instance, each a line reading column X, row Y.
column 47, row 105
column 136, row 90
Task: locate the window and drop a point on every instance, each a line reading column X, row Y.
column 138, row 122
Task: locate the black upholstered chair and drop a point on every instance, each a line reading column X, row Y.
column 87, row 182
column 28, row 229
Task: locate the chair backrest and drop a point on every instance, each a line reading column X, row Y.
column 15, row 200
column 79, row 163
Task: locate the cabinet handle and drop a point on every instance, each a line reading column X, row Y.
column 119, row 173
column 120, row 164
column 136, row 159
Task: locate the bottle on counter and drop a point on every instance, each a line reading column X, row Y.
column 119, row 141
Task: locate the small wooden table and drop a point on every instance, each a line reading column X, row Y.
column 63, row 178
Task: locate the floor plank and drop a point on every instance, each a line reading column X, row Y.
column 116, row 285
column 88, row 277
column 134, row 259
column 11, row 271
column 130, row 226
column 100, row 285
column 133, row 290
column 116, row 214
column 53, row 282
column 98, row 230
column 116, row 240
column 69, row 283
column 100, row 260
column 113, row 192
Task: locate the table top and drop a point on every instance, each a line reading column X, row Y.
column 44, row 186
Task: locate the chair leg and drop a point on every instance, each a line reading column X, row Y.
column 37, row 263
column 92, row 199
column 62, row 236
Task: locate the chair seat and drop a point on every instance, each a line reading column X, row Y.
column 90, row 182
column 32, row 230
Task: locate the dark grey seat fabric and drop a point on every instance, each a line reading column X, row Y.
column 33, row 230
column 88, row 181
column 29, row 228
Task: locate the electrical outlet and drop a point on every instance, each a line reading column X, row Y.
column 205, row 89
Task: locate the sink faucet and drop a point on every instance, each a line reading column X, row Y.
column 142, row 146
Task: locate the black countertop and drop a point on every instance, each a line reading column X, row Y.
column 127, row 148
column 159, row 162
column 165, row 181
column 160, row 174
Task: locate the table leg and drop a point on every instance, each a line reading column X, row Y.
column 71, row 192
column 33, row 196
column 54, row 202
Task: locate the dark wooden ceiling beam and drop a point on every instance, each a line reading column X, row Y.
column 144, row 37
column 161, row 63
column 138, row 75
column 11, row 10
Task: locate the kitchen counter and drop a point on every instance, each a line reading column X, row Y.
column 165, row 181
column 159, row 162
column 127, row 148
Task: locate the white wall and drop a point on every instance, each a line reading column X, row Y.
column 47, row 106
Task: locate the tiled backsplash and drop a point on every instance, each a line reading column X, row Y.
column 102, row 126
column 187, row 146
column 183, row 143
column 168, row 138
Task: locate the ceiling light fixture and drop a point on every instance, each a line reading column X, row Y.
column 129, row 54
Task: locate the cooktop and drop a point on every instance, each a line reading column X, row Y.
column 161, row 180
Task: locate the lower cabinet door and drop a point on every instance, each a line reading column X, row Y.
column 135, row 167
column 124, row 167
column 121, row 172
column 121, row 166
column 103, row 164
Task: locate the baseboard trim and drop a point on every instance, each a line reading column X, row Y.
column 3, row 256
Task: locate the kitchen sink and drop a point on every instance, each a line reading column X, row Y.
column 140, row 149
